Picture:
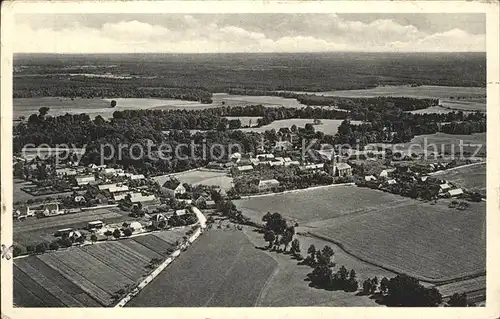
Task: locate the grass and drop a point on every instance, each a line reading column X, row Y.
column 84, row 276
column 206, row 275
column 317, row 205
column 200, row 177
column 245, row 120
column 470, row 177
column 430, row 242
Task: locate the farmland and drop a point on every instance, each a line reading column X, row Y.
column 316, row 205
column 245, row 120
column 467, row 286
column 87, row 276
column 200, row 177
column 470, row 177
column 208, row 276
column 326, row 126
column 34, row 231
column 386, row 230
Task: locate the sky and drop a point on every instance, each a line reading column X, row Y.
column 220, row 33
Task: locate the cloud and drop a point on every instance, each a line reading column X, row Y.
column 299, row 33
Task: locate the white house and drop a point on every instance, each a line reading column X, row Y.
column 268, row 184
column 118, row 189
column 236, row 157
column 137, row 177
column 370, row 178
column 180, row 212
column 444, row 187
column 391, row 182
column 245, row 168
column 174, row 187
column 51, row 210
column 310, row 167
column 140, row 198
column 85, row 179
column 455, row 192
column 264, row 157
column 119, row 197
column 136, row 226
column 342, row 169
column 79, row 199
column 106, row 186
column 65, row 172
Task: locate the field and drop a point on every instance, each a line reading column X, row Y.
column 18, row 195
column 88, row 276
column 467, row 286
column 387, row 230
column 34, row 231
column 470, row 177
column 327, row 126
column 442, row 142
column 317, row 205
column 208, row 276
column 200, row 177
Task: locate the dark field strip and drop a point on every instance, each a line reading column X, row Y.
column 81, row 281
column 66, row 285
column 122, row 249
column 140, row 249
column 47, row 283
column 154, row 243
column 23, row 297
column 169, row 236
column 219, row 261
column 115, row 262
column 48, row 299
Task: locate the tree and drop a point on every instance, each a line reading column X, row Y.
column 374, row 285
column 93, row 238
column 321, row 276
column 458, row 300
column 127, row 232
column 17, row 250
column 383, row 285
column 295, row 249
column 113, row 103
column 54, row 245
column 406, row 291
column 108, row 233
column 30, row 249
column 65, row 242
column 116, row 233
column 162, row 224
column 269, row 237
column 41, row 248
column 43, row 111
column 367, row 286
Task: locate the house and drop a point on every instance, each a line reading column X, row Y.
column 289, row 162
column 174, row 187
column 235, row 158
column 137, row 177
column 65, row 172
column 51, row 210
column 180, row 212
column 423, row 178
column 444, row 187
column 118, row 189
column 75, row 235
column 278, row 161
column 119, row 197
column 386, row 172
column 283, row 146
column 268, row 184
column 264, row 157
column 210, row 204
column 370, row 178
column 105, row 186
column 136, row 226
column 79, row 199
column 140, row 198
column 101, row 199
column 215, row 165
column 454, row 192
column 23, row 211
column 391, row 182
column 254, row 161
column 342, row 170
column 85, row 180
column 245, row 168
column 310, row 167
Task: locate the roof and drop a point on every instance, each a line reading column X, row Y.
column 392, row 181
column 245, row 168
column 180, row 212
column 138, row 176
column 235, row 155
column 445, row 186
column 106, row 186
column 210, row 202
column 171, row 183
column 268, row 182
column 342, row 166
column 370, row 178
column 95, row 222
column 265, row 156
column 135, row 225
column 454, row 192
column 52, row 206
column 116, row 189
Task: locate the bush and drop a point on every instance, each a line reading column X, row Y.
column 116, row 233
column 17, row 250
column 54, row 245
column 126, row 232
column 41, row 248
column 65, row 242
column 30, row 249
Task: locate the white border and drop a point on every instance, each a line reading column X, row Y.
column 493, row 217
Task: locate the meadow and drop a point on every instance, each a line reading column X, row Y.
column 208, row 276
column 470, row 177
column 467, row 286
column 200, row 177
column 87, row 276
column 326, row 126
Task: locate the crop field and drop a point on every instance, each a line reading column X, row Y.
column 34, row 231
column 87, row 276
column 241, row 100
column 469, row 285
column 442, row 142
column 317, row 205
column 200, row 177
column 470, row 177
column 208, row 276
column 465, row 105
column 400, row 238
column 327, row 126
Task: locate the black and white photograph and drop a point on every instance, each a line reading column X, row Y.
column 249, row 159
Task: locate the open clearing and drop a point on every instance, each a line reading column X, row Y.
column 87, row 276
column 470, row 177
column 200, row 177
column 221, row 269
column 387, row 230
column 327, row 126
column 245, row 120
column 316, row 205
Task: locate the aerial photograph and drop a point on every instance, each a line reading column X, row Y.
column 249, row 160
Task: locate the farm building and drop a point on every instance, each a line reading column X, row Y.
column 65, row 172
column 137, row 177
column 118, row 189
column 140, row 198
column 174, row 187
column 269, row 184
column 370, row 178
column 444, row 187
column 454, row 192
column 245, row 168
column 84, row 180
column 342, row 170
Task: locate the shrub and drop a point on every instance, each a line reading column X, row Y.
column 117, row 233
column 17, row 250
column 30, row 249
column 126, row 232
column 41, row 248
column 65, row 242
column 54, row 245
